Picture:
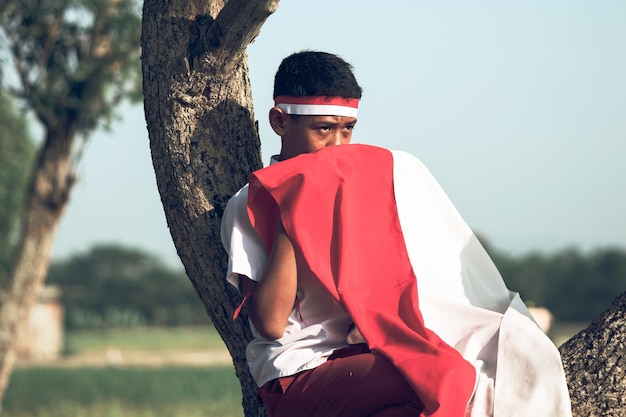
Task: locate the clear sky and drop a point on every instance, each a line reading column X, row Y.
column 518, row 109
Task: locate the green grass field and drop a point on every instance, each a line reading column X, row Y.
column 123, row 392
column 107, row 391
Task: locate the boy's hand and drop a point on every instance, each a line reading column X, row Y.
column 354, row 336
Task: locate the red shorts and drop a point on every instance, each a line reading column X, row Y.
column 354, row 382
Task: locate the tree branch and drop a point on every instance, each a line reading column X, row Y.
column 236, row 26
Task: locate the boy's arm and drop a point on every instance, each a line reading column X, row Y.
column 273, row 297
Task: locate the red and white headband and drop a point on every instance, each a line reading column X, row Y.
column 318, row 105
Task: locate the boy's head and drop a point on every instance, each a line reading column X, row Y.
column 316, row 99
column 315, row 74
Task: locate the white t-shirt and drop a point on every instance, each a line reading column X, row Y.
column 315, row 328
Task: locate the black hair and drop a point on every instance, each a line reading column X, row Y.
column 313, row 73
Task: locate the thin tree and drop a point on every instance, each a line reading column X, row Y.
column 73, row 62
column 204, row 143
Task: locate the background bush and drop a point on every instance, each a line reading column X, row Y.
column 574, row 286
column 115, row 286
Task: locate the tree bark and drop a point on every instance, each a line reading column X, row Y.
column 595, row 364
column 204, row 144
column 50, row 186
column 204, row 141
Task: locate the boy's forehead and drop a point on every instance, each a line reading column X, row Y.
column 328, row 118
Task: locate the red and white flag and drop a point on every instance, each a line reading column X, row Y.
column 377, row 230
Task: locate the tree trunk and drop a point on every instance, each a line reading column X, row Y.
column 50, row 185
column 595, row 364
column 204, row 141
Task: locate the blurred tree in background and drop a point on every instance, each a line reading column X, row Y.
column 17, row 150
column 70, row 63
column 115, row 286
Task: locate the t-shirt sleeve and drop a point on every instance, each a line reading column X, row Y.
column 246, row 253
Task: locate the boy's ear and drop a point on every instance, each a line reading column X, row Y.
column 277, row 120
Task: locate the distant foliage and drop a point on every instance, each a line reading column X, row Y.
column 74, row 60
column 575, row 286
column 114, row 286
column 17, row 150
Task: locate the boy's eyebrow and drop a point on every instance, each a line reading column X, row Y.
column 326, row 122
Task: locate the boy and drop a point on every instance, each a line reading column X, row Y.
column 285, row 352
column 289, row 246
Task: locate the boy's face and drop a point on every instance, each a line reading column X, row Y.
column 305, row 134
